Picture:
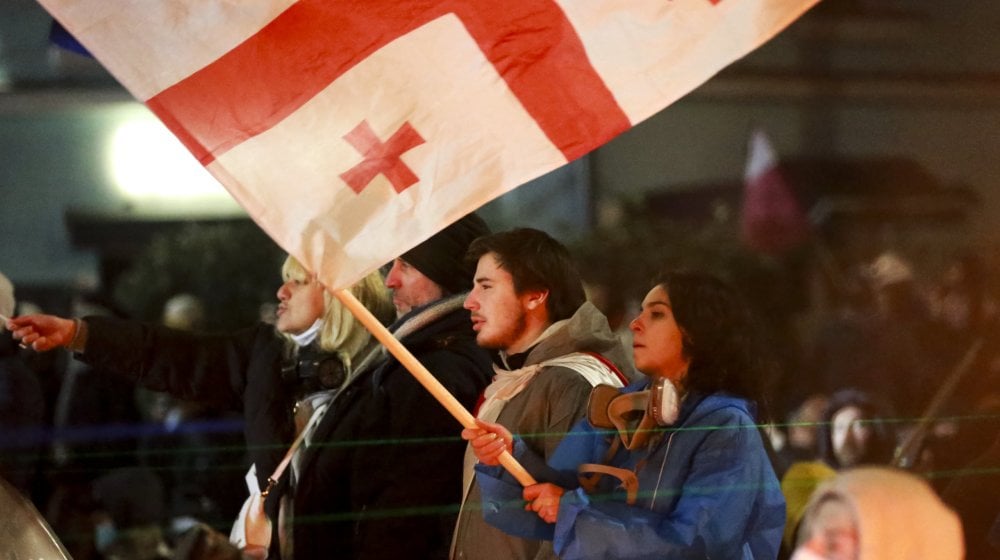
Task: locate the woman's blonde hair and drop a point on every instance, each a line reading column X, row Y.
column 342, row 334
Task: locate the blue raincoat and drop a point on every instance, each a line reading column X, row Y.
column 706, row 490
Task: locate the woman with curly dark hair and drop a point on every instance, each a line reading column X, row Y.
column 673, row 466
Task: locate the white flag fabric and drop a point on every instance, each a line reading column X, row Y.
column 352, row 130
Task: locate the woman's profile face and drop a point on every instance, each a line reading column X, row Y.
column 300, row 304
column 657, row 341
column 849, row 435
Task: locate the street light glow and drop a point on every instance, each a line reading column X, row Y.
column 149, row 164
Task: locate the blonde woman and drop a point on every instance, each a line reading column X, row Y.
column 381, row 470
column 277, row 376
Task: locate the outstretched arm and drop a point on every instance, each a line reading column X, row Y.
column 208, row 367
column 44, row 332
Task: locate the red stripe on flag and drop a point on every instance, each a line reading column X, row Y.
column 271, row 74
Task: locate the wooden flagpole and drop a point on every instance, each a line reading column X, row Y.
column 908, row 452
column 424, row 376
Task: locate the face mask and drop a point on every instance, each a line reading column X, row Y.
column 306, row 337
column 636, row 416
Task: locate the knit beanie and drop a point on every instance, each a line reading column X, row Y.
column 6, row 297
column 442, row 257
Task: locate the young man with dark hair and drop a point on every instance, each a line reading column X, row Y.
column 552, row 347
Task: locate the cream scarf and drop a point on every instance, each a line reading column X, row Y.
column 507, row 384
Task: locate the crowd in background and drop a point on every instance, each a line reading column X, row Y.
column 902, row 371
column 92, row 450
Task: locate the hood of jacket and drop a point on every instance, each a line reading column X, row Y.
column 586, row 331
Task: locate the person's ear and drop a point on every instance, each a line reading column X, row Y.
column 536, row 299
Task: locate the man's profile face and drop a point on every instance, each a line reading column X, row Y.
column 410, row 288
column 498, row 314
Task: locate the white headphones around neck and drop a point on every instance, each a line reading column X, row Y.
column 664, row 401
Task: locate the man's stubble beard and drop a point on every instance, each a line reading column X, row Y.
column 504, row 340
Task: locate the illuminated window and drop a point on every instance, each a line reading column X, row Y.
column 150, row 165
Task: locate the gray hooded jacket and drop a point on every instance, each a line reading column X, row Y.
column 540, row 414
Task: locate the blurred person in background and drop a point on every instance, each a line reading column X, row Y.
column 878, row 513
column 854, row 430
column 22, row 407
column 963, row 302
column 798, row 465
column 906, row 372
column 800, row 441
column 965, row 310
column 196, row 448
column 97, row 427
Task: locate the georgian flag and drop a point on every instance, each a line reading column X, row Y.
column 352, row 130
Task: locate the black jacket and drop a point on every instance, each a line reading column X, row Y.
column 391, row 470
column 386, row 479
column 238, row 371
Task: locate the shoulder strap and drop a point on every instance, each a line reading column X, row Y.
column 280, row 469
column 590, row 475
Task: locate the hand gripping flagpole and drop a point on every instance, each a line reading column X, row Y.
column 436, row 389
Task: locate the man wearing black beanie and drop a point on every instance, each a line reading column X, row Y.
column 437, row 267
column 395, row 450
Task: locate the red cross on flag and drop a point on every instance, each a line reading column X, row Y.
column 353, row 130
